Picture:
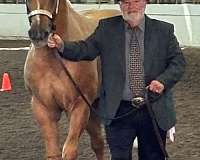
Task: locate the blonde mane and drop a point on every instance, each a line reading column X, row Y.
column 82, row 23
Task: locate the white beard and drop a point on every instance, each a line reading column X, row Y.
column 133, row 18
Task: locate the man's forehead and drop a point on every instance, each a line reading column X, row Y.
column 132, row 0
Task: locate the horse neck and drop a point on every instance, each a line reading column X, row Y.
column 71, row 25
column 60, row 22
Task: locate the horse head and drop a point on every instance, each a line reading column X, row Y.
column 41, row 14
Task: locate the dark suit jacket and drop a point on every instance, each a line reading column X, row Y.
column 163, row 60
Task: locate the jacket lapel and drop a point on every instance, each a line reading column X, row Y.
column 150, row 43
column 120, row 39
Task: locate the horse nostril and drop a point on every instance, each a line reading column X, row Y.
column 46, row 34
column 37, row 34
column 34, row 34
column 30, row 33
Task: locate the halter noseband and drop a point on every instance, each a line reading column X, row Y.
column 40, row 12
column 43, row 12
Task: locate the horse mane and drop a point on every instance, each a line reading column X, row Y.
column 77, row 25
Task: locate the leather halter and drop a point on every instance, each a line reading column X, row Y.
column 43, row 12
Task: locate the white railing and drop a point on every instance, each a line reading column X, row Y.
column 185, row 17
column 112, row 1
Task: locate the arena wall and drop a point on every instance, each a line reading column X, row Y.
column 185, row 17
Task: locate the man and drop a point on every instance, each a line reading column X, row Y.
column 126, row 43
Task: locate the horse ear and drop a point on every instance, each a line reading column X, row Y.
column 27, row 9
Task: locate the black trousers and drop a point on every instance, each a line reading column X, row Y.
column 120, row 135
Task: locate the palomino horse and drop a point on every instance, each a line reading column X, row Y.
column 51, row 89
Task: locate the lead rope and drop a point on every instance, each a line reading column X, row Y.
column 155, row 127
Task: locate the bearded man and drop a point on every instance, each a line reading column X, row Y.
column 137, row 53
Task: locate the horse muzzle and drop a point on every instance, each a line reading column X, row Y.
column 39, row 37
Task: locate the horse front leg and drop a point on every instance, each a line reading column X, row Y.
column 95, row 132
column 79, row 115
column 47, row 121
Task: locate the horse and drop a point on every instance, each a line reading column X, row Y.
column 51, row 89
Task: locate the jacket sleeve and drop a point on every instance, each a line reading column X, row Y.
column 87, row 49
column 175, row 62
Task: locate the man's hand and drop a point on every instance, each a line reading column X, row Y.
column 54, row 41
column 156, row 86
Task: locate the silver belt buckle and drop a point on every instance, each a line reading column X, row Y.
column 138, row 102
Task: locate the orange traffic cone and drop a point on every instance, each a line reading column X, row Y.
column 6, row 85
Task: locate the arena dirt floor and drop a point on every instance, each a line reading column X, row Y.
column 20, row 138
